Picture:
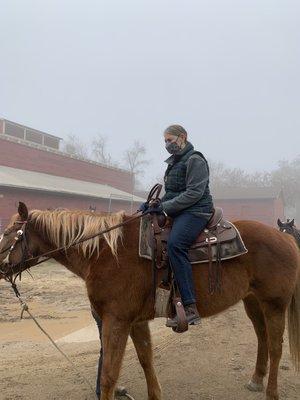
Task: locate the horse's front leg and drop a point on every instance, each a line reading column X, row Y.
column 140, row 334
column 114, row 337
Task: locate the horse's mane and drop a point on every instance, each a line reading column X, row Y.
column 63, row 227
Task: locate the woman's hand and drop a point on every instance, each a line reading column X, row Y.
column 144, row 207
column 155, row 207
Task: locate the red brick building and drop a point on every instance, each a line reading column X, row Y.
column 33, row 170
column 259, row 204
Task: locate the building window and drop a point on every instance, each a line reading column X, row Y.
column 33, row 136
column 14, row 130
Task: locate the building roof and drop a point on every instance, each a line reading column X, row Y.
column 22, row 179
column 253, row 193
column 32, row 129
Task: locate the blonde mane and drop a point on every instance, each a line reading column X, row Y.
column 64, row 227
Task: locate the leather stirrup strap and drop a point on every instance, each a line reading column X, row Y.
column 211, row 277
column 182, row 325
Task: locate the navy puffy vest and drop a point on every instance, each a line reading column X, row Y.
column 175, row 181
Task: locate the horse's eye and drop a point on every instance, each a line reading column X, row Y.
column 7, row 232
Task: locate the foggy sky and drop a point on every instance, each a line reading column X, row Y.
column 226, row 70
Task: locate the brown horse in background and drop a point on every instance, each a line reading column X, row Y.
column 119, row 286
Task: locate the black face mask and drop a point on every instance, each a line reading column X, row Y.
column 173, row 147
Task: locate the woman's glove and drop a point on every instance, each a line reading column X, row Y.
column 144, row 207
column 155, row 207
column 155, row 210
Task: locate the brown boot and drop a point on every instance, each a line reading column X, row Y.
column 192, row 317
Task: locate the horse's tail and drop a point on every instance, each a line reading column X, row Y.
column 294, row 325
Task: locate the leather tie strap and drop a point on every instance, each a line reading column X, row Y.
column 157, row 237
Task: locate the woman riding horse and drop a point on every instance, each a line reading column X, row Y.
column 189, row 203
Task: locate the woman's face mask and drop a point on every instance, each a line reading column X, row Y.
column 173, row 147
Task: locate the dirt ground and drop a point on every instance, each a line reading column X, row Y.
column 211, row 362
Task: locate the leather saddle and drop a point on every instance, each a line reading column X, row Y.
column 218, row 230
column 219, row 241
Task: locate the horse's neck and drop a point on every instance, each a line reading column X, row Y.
column 73, row 262
column 71, row 258
column 297, row 235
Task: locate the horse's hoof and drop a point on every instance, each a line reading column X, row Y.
column 255, row 387
column 272, row 397
column 120, row 391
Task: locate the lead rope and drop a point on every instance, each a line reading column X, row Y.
column 25, row 308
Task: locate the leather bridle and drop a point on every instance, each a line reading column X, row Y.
column 19, row 238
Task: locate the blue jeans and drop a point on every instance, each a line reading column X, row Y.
column 99, row 325
column 185, row 230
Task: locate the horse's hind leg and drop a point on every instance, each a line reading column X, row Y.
column 256, row 315
column 140, row 335
column 114, row 337
column 275, row 322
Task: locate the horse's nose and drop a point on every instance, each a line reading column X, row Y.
column 3, row 269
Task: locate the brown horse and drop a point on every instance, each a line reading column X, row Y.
column 119, row 285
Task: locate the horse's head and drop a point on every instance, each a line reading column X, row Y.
column 290, row 228
column 287, row 227
column 16, row 245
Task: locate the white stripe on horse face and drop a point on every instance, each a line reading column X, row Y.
column 6, row 259
column 1, row 237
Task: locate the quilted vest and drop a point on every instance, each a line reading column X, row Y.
column 175, row 180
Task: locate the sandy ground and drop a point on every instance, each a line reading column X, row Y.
column 210, row 362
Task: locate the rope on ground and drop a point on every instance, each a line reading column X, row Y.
column 25, row 308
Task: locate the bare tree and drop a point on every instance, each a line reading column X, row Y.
column 72, row 145
column 135, row 161
column 99, row 150
column 223, row 176
column 287, row 177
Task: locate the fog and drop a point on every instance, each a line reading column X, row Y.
column 228, row 71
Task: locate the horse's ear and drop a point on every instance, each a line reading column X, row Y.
column 279, row 223
column 23, row 211
column 292, row 222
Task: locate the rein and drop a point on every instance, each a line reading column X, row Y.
column 48, row 255
column 21, row 233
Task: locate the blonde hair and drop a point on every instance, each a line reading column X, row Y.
column 64, row 227
column 175, row 130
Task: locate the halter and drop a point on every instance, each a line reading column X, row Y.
column 20, row 237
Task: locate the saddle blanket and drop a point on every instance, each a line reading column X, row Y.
column 198, row 253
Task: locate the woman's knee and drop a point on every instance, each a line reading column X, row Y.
column 175, row 246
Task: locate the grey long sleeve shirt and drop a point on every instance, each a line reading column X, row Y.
column 197, row 176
